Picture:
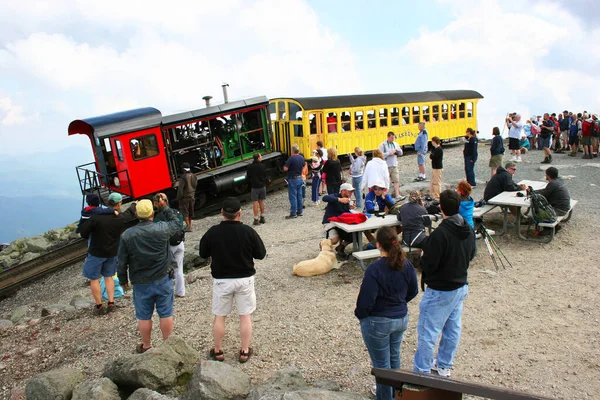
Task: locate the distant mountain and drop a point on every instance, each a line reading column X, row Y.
column 39, row 191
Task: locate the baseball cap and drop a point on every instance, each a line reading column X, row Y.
column 185, row 166
column 379, row 184
column 231, row 205
column 115, row 198
column 144, row 208
column 346, row 186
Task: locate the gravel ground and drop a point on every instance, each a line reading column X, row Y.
column 531, row 327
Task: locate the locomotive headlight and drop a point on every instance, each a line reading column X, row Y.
column 116, row 181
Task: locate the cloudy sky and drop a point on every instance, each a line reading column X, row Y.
column 62, row 60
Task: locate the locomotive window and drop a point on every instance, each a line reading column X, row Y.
column 107, row 145
column 119, row 150
column 272, row 112
column 416, row 115
column 281, row 112
column 144, row 147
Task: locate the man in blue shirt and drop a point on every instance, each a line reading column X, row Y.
column 294, row 166
column 421, row 149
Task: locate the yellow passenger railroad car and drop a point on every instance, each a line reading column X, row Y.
column 344, row 122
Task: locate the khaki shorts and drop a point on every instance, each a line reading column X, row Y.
column 186, row 207
column 226, row 290
column 496, row 161
column 394, row 174
column 594, row 141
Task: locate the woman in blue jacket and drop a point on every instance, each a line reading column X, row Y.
column 470, row 154
column 388, row 285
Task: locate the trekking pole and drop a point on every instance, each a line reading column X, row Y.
column 499, row 253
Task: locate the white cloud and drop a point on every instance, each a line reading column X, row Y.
column 11, row 113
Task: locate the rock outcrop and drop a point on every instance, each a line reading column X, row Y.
column 56, row 384
column 160, row 368
column 213, row 380
column 96, row 389
column 147, row 394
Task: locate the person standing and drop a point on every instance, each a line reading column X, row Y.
column 446, row 256
column 574, row 134
column 437, row 168
column 381, row 307
column 293, row 166
column 513, row 121
column 586, row 136
column 391, row 151
column 496, row 151
column 186, row 195
column 545, row 138
column 103, row 232
column 256, row 173
column 421, row 148
column 233, row 274
column 144, row 261
column 357, row 168
column 470, row 154
column 324, row 161
column 176, row 242
column 315, row 170
column 333, row 170
column 93, row 208
column 376, row 170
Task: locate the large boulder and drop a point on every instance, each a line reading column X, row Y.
column 19, row 314
column 36, row 244
column 96, row 389
column 160, row 368
column 5, row 324
column 6, row 261
column 321, row 394
column 213, row 380
column 288, row 379
column 57, row 384
column 147, row 394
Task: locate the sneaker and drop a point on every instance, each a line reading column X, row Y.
column 255, row 222
column 374, row 389
column 100, row 310
column 300, row 214
column 550, row 158
column 445, row 372
column 291, row 217
column 262, row 220
column 400, row 198
column 546, row 161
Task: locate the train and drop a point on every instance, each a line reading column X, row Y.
column 140, row 152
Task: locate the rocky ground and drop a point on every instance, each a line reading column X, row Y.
column 530, row 327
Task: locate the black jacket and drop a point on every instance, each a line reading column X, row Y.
column 557, row 194
column 447, row 253
column 471, row 148
column 105, row 230
column 232, row 247
column 501, row 182
column 256, row 173
column 497, row 146
column 437, row 157
column 333, row 169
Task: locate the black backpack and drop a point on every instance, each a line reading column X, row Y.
column 180, row 235
column 541, row 210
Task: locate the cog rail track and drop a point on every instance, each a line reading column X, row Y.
column 14, row 277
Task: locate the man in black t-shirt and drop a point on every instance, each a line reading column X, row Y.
column 256, row 174
column 293, row 166
column 232, row 247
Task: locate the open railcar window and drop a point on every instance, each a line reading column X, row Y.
column 144, row 147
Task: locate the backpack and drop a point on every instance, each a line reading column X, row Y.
column 594, row 130
column 180, row 235
column 541, row 210
column 535, row 130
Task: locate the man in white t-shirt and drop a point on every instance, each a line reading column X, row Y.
column 516, row 130
column 391, row 151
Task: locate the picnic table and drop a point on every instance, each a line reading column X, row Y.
column 511, row 199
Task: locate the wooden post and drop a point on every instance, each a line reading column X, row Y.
column 414, row 392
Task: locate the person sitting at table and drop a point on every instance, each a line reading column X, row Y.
column 503, row 182
column 337, row 204
column 378, row 200
column 465, row 209
column 556, row 193
column 413, row 225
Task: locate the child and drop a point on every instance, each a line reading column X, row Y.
column 437, row 167
column 315, row 167
column 467, row 204
column 357, row 168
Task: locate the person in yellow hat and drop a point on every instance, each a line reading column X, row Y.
column 144, row 261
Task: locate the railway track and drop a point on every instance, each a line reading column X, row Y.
column 13, row 278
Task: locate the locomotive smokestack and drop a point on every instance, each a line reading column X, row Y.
column 225, row 97
column 207, row 100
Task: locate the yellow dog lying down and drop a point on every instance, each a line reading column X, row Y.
column 322, row 264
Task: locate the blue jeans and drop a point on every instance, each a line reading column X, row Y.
column 439, row 312
column 303, row 190
column 316, row 182
column 295, row 195
column 383, row 337
column 470, row 170
column 356, row 181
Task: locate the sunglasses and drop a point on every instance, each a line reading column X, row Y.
column 513, row 168
column 377, row 188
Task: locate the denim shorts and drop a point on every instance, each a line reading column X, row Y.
column 420, row 159
column 97, row 267
column 147, row 295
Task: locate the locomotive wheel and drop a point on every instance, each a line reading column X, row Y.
column 240, row 189
column 201, row 199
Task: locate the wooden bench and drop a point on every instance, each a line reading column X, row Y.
column 429, row 387
column 552, row 225
column 367, row 255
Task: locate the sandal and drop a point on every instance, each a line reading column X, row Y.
column 140, row 348
column 244, row 357
column 217, row 355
